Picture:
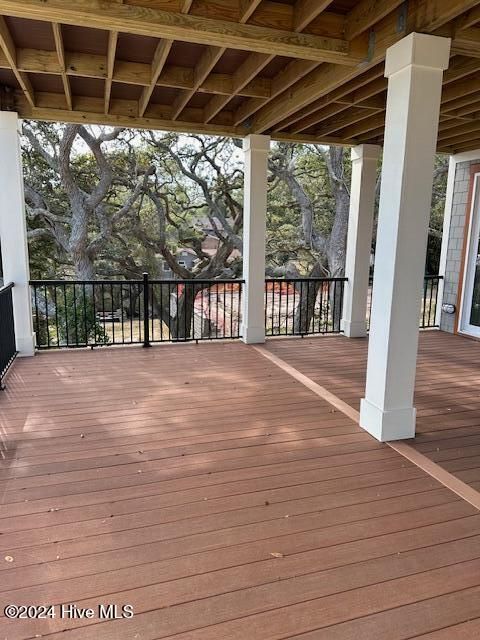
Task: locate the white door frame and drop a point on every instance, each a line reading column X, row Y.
column 470, row 263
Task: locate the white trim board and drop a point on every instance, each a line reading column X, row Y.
column 447, row 219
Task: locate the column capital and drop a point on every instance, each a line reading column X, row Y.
column 9, row 120
column 366, row 152
column 255, row 142
column 418, row 49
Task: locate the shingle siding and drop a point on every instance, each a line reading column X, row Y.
column 455, row 242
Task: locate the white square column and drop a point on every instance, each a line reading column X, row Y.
column 414, row 68
column 359, row 239
column 13, row 231
column 256, row 150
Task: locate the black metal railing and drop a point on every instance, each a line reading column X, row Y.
column 303, row 306
column 428, row 311
column 429, row 304
column 80, row 313
column 7, row 331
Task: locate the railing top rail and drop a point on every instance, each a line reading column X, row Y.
column 306, row 279
column 68, row 281
column 150, row 280
column 433, row 276
column 198, row 281
column 6, row 287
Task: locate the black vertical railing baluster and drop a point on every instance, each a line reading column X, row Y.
column 186, row 310
column 425, row 284
column 152, row 305
column 112, row 312
column 146, row 315
column 130, row 310
column 37, row 323
column 231, row 310
column 224, row 328
column 216, row 309
column 85, row 319
column 161, row 313
column 94, row 315
column 279, row 308
column 65, row 313
column 239, row 310
column 46, row 316
column 75, row 315
column 121, row 312
column 272, row 309
column 55, row 302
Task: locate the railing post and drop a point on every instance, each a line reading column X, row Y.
column 146, row 315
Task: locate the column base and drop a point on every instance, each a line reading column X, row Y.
column 25, row 346
column 398, row 424
column 354, row 329
column 253, row 335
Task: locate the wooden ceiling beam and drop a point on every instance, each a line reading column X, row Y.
column 111, row 53
column 454, row 133
column 305, row 12
column 60, row 49
column 202, row 70
column 466, row 42
column 52, row 107
column 8, row 47
column 370, row 90
column 366, row 14
column 461, row 148
column 431, row 14
column 349, row 120
column 460, row 89
column 85, row 65
column 327, row 77
column 469, row 19
column 244, row 75
column 336, row 95
column 332, row 109
column 159, row 60
column 187, row 28
column 362, row 127
column 247, row 71
column 248, row 8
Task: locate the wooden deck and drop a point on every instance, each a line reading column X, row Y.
column 224, row 500
column 447, row 394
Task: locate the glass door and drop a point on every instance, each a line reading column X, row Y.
column 470, row 322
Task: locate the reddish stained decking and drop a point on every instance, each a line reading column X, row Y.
column 447, row 394
column 200, row 462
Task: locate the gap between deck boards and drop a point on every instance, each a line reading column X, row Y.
column 434, row 470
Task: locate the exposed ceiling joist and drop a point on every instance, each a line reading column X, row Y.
column 8, row 47
column 185, row 27
column 60, row 49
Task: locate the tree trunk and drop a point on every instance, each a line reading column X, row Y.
column 307, row 292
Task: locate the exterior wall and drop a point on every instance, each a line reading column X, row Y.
column 456, row 238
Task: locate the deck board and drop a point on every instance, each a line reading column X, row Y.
column 446, row 391
column 167, row 478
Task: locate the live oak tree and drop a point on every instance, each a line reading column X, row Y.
column 72, row 198
column 115, row 202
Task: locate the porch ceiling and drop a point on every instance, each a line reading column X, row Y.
column 300, row 70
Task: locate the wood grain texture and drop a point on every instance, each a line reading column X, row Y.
column 227, row 501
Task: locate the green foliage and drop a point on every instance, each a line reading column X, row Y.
column 77, row 321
